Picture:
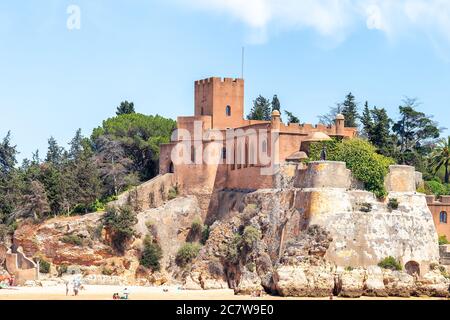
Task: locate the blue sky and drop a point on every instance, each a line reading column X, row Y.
column 311, row 53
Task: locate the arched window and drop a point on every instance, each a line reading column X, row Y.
column 171, row 169
column 228, row 111
column 443, row 217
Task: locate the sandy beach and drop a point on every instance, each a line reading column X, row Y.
column 145, row 293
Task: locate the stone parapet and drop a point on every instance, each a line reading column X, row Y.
column 324, row 174
column 401, row 179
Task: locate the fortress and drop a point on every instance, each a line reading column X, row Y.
column 247, row 153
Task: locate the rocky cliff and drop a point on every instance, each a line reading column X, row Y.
column 318, row 234
column 324, row 237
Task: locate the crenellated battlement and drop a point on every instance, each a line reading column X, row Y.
column 218, row 80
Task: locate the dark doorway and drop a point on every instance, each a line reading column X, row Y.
column 412, row 268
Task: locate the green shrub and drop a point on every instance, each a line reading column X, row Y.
column 72, row 239
column 361, row 158
column 205, row 234
column 61, row 269
column 197, row 227
column 187, row 253
column 151, row 255
column 3, row 232
column 120, row 222
column 443, row 240
column 233, row 249
column 44, row 266
column 349, row 269
column 393, row 204
column 436, row 188
column 173, row 193
column 250, row 237
column 315, row 149
column 390, row 263
column 107, row 271
column 251, row 266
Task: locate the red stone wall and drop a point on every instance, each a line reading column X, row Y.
column 442, row 228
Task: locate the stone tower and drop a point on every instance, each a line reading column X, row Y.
column 222, row 99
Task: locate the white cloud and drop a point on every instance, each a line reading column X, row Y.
column 336, row 19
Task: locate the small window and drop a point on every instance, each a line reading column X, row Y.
column 193, row 154
column 228, row 111
column 443, row 217
column 264, row 146
column 201, row 111
column 224, row 153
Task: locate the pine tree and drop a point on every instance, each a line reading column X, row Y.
column 76, row 146
column 113, row 164
column 125, row 108
column 8, row 178
column 349, row 109
column 366, row 121
column 86, row 175
column 276, row 103
column 261, row 109
column 36, row 202
column 291, row 117
column 380, row 134
column 54, row 152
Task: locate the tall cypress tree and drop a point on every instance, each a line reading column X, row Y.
column 380, row 134
column 276, row 103
column 366, row 121
column 349, row 109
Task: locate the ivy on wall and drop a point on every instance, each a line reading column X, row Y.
column 361, row 158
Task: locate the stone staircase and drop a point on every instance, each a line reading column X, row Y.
column 23, row 268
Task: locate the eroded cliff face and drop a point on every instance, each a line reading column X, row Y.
column 324, row 237
column 319, row 234
column 93, row 255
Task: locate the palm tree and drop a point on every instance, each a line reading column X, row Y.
column 441, row 158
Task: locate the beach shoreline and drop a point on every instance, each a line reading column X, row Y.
column 99, row 292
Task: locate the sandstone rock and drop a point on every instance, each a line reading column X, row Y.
column 94, row 279
column 398, row 283
column 352, row 283
column 304, row 281
column 249, row 283
column 374, row 285
column 214, row 284
column 433, row 284
column 192, row 282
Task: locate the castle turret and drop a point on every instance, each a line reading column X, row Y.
column 276, row 121
column 340, row 124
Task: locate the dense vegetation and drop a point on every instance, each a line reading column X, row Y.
column 362, row 159
column 120, row 153
column 119, row 222
column 411, row 138
column 151, row 254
